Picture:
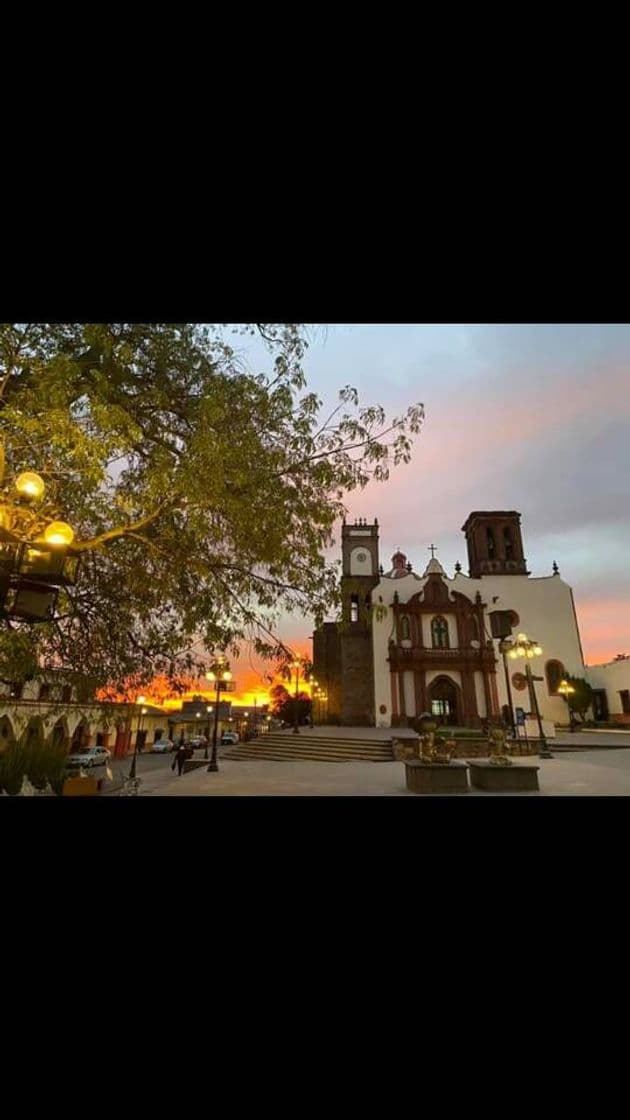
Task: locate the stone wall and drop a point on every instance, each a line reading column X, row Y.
column 357, row 676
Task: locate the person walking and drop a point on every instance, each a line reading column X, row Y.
column 182, row 754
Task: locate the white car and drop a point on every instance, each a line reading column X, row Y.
column 163, row 746
column 229, row 738
column 88, row 757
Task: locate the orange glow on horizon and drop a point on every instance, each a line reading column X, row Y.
column 249, row 688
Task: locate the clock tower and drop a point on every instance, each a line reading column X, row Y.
column 359, row 554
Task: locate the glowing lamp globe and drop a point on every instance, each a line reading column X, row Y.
column 59, row 533
column 30, row 485
column 538, row 650
column 141, row 700
column 227, row 676
column 210, row 676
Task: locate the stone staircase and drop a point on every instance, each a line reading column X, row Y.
column 284, row 746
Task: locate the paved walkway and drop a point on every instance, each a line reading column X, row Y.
column 597, row 772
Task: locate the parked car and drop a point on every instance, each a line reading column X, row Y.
column 196, row 743
column 162, row 746
column 229, row 738
column 88, row 757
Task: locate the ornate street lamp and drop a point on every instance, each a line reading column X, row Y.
column 33, row 551
column 565, row 689
column 143, row 712
column 524, row 647
column 221, row 676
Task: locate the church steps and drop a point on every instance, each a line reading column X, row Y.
column 281, row 748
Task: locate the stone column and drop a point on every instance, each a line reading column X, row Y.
column 486, row 692
column 401, row 692
column 469, row 698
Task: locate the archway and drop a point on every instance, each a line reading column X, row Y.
column 80, row 736
column 443, row 696
column 59, row 734
column 34, row 733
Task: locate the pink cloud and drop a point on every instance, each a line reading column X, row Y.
column 604, row 628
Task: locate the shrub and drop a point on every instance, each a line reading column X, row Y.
column 31, row 758
column 12, row 769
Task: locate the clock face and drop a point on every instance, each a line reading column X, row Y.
column 361, row 557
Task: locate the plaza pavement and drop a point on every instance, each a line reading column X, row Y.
column 603, row 770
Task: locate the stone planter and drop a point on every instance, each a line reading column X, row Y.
column 503, row 779
column 436, row 777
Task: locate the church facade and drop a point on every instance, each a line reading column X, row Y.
column 409, row 643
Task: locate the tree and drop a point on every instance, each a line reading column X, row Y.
column 581, row 699
column 283, row 704
column 202, row 495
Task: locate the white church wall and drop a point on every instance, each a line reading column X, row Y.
column 382, row 623
column 480, row 694
column 382, row 631
column 613, row 676
column 545, row 609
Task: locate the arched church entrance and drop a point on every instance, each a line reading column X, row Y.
column 444, row 700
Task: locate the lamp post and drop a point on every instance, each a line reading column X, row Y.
column 565, row 689
column 209, row 711
column 296, row 666
column 132, row 771
column 504, row 647
column 220, row 674
column 314, row 694
column 524, row 647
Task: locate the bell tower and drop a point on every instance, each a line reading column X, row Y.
column 495, row 544
column 359, row 555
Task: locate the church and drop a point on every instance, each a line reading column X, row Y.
column 409, row 643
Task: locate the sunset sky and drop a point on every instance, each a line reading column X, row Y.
column 527, row 417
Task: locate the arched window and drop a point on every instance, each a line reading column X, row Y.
column 554, row 671
column 354, row 608
column 508, row 544
column 490, row 542
column 405, row 632
column 439, row 633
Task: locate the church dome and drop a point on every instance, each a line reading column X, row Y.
column 399, row 565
